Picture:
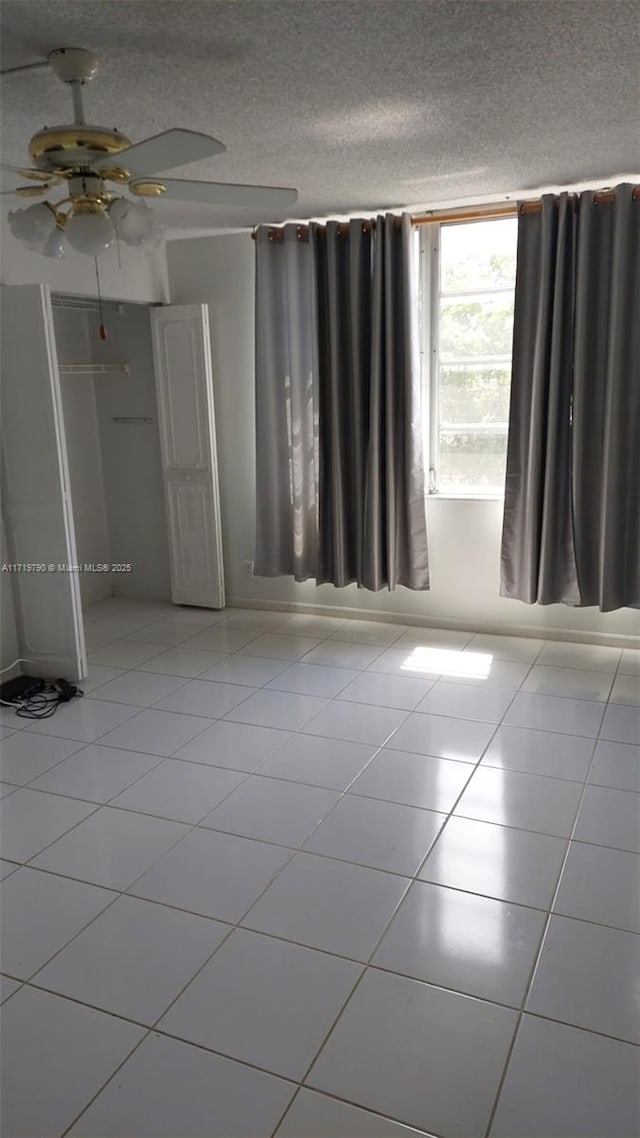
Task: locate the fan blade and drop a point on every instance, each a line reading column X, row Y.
column 34, row 175
column 227, row 193
column 163, row 152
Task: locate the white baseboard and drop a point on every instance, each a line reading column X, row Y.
column 541, row 632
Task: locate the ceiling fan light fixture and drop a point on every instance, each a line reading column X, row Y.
column 34, row 225
column 134, row 223
column 89, row 229
column 55, row 245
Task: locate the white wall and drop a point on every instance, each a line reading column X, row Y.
column 464, row 536
column 135, row 278
column 9, row 649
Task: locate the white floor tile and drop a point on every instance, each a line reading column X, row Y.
column 220, row 639
column 271, row 810
column 621, row 724
column 630, row 662
column 414, row 780
column 62, row 1049
column 616, row 765
column 11, row 721
column 308, row 624
column 277, row 647
column 313, row 1115
column 204, row 697
column 138, row 688
column 555, row 713
column 85, row 720
column 434, row 638
column 539, row 752
column 447, row 738
column 596, row 656
column 402, row 1047
column 491, row 672
column 7, row 788
column 25, row 755
column 581, row 683
column 336, row 654
column 187, row 662
column 8, row 987
column 329, row 905
column 216, row 875
column 589, row 976
column 239, row 746
column 402, row 692
column 253, row 671
column 169, row 1088
column 157, row 732
column 466, row 702
column 167, row 633
column 526, row 801
column 282, row 710
column 40, row 914
column 313, row 679
column 29, row 821
column 111, row 848
column 608, row 818
column 496, row 861
column 569, row 1082
column 429, row 939
column 369, row 632
column 516, row 648
column 382, row 835
column 332, row 763
column 601, row 885
column 7, row 868
column 183, row 791
column 356, row 722
column 134, row 959
column 97, row 675
column 249, row 618
column 124, row 654
column 424, row 662
column 265, row 1001
column 626, row 689
column 96, row 773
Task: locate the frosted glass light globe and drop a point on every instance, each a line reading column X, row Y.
column 90, row 231
column 54, row 246
column 34, row 225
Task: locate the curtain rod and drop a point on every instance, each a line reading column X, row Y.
column 478, row 213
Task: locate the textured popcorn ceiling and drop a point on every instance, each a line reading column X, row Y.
column 360, row 104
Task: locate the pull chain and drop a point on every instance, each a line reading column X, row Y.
column 102, row 331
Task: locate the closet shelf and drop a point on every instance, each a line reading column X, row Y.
column 93, row 369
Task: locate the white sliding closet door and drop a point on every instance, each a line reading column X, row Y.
column 188, row 445
column 35, row 489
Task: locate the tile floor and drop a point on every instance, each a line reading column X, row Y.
column 288, row 876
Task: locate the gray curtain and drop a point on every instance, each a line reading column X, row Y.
column 361, row 434
column 571, row 530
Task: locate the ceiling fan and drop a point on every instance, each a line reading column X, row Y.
column 88, row 160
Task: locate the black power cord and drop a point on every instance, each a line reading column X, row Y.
column 45, row 702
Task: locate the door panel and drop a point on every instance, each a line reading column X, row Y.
column 188, row 445
column 35, row 488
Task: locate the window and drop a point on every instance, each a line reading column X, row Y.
column 470, row 278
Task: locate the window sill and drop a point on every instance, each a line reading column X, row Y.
column 462, row 497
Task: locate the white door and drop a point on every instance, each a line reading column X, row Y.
column 188, row 444
column 35, row 490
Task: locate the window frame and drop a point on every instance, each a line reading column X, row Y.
column 429, row 310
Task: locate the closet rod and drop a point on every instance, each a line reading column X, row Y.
column 93, row 369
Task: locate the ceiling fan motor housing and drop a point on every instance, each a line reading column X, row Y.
column 76, row 146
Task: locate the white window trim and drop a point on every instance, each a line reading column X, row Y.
column 429, row 283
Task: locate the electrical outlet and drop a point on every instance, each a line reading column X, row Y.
column 248, row 568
